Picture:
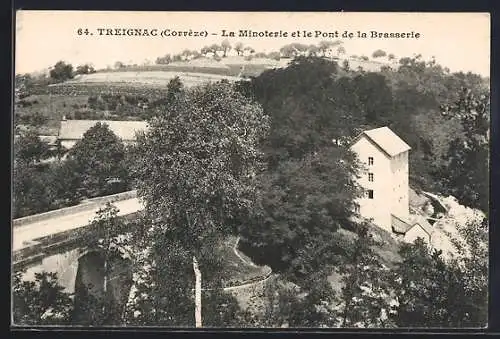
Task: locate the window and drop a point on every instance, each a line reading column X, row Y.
column 370, row 194
column 370, row 176
column 370, row 160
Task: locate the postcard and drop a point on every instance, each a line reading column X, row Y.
column 250, row 170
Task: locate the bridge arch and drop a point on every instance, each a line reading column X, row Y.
column 93, row 287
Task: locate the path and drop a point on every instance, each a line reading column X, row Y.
column 262, row 279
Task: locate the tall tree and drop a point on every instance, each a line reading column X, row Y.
column 300, row 208
column 196, row 172
column 238, row 48
column 61, row 71
column 226, row 47
column 111, row 241
column 378, row 53
column 467, row 170
column 374, row 93
column 29, row 148
column 100, row 157
column 365, row 297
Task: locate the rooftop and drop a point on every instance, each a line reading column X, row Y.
column 386, row 139
column 402, row 226
column 125, row 130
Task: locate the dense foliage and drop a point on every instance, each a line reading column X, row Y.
column 40, row 302
column 97, row 165
column 195, row 170
column 214, row 165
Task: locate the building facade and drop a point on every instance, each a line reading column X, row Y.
column 384, row 176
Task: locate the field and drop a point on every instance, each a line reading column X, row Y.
column 52, row 107
column 230, row 66
column 154, row 78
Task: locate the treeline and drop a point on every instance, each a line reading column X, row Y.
column 220, row 51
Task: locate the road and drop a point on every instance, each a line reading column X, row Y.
column 27, row 233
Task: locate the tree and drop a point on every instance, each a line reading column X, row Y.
column 214, row 48
column 199, row 157
column 109, row 240
column 341, row 50
column 238, row 48
column 99, row 157
column 226, row 47
column 434, row 293
column 249, row 49
column 119, row 65
column 375, row 96
column 324, row 46
column 85, row 69
column 378, row 53
column 29, row 148
column 274, row 55
column 306, row 94
column 305, row 115
column 31, row 194
column 313, row 50
column 40, row 302
column 195, row 54
column 287, row 51
column 391, row 57
column 164, row 60
column 365, row 297
column 467, row 170
column 64, row 192
column 61, row 71
column 185, row 54
column 345, row 65
column 300, row 208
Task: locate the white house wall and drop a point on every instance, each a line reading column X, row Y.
column 400, row 188
column 378, row 208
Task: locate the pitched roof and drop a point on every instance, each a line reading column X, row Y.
column 403, row 226
column 386, row 139
column 125, row 130
column 399, row 225
column 422, row 222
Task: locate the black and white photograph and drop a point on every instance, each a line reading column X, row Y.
column 250, row 170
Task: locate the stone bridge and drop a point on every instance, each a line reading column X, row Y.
column 61, row 241
column 54, row 241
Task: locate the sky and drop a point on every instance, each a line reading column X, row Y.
column 459, row 41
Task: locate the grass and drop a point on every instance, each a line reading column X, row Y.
column 52, row 107
column 237, row 271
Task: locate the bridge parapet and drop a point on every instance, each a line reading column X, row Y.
column 86, row 205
